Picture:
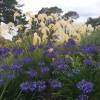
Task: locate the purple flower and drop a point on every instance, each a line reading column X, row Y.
column 40, row 46
column 49, row 44
column 31, row 48
column 27, row 60
column 32, row 73
column 33, row 86
column 58, row 62
column 17, row 51
column 44, row 70
column 49, row 54
column 89, row 48
column 3, row 51
column 85, row 86
column 41, row 86
column 16, row 67
column 71, row 42
column 62, row 67
column 55, row 84
column 87, row 61
column 25, row 86
column 5, row 67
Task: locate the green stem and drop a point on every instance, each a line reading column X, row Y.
column 32, row 96
column 18, row 95
column 2, row 94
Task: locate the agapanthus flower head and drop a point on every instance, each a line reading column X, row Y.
column 49, row 54
column 44, row 70
column 16, row 66
column 3, row 51
column 28, row 86
column 85, row 86
column 55, row 84
column 58, row 62
column 17, row 50
column 24, row 86
column 5, row 67
column 27, row 60
column 89, row 48
column 71, row 42
column 32, row 73
column 62, row 67
column 88, row 61
column 41, row 85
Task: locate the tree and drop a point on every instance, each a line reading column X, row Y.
column 7, row 10
column 93, row 21
column 71, row 15
column 50, row 10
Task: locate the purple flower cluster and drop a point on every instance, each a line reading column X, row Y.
column 89, row 48
column 17, row 51
column 41, row 85
column 49, row 45
column 26, row 86
column 44, row 70
column 5, row 67
column 16, row 66
column 87, row 61
column 55, row 84
column 49, row 54
column 60, row 65
column 85, row 86
column 32, row 73
column 27, row 60
column 56, row 68
column 31, row 48
column 31, row 86
column 3, row 51
column 71, row 42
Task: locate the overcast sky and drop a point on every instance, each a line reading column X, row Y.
column 85, row 8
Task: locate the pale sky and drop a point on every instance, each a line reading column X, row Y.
column 85, row 8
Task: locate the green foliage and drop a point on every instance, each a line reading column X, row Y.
column 7, row 10
column 94, row 38
column 71, row 15
column 50, row 10
column 93, row 21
